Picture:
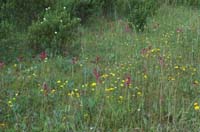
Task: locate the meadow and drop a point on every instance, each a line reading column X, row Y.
column 122, row 81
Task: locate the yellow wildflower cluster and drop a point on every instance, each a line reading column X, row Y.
column 196, row 106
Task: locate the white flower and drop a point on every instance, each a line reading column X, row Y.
column 64, row 7
column 56, row 32
column 44, row 19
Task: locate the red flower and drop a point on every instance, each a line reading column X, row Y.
column 127, row 28
column 96, row 61
column 127, row 82
column 97, row 75
column 43, row 55
column 1, row 65
column 45, row 88
column 74, row 60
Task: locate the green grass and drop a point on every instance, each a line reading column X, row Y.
column 162, row 62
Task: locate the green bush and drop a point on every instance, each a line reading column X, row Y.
column 56, row 33
column 139, row 11
column 82, row 9
column 23, row 12
column 10, row 41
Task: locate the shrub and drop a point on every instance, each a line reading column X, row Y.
column 23, row 12
column 10, row 42
column 56, row 33
column 82, row 9
column 139, row 11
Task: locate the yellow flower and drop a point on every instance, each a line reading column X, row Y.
column 176, row 67
column 58, row 81
column 104, row 76
column 2, row 125
column 139, row 93
column 196, row 82
column 93, row 84
column 145, row 76
column 196, row 107
column 112, row 74
column 195, row 104
column 77, row 95
column 121, row 97
column 109, row 89
column 53, row 91
column 183, row 68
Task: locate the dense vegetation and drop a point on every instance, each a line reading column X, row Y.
column 99, row 65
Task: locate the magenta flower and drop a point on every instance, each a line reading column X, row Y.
column 43, row 55
column 1, row 64
column 127, row 82
column 97, row 75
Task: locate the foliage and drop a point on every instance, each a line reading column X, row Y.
column 23, row 12
column 82, row 9
column 122, row 81
column 57, row 33
column 10, row 42
column 140, row 11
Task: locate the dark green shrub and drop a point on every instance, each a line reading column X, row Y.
column 23, row 12
column 10, row 42
column 82, row 9
column 139, row 11
column 108, row 7
column 56, row 33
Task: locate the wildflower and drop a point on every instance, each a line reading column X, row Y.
column 183, row 68
column 139, row 93
column 97, row 75
column 58, row 81
column 53, row 91
column 45, row 89
column 127, row 28
column 104, row 76
column 112, row 74
column 1, row 64
column 10, row 103
column 196, row 106
column 97, row 59
column 127, row 81
column 77, row 95
column 71, row 93
column 121, row 98
column 109, row 89
column 93, row 84
column 74, row 60
column 171, row 78
column 43, row 55
column 2, row 125
column 145, row 76
column 176, row 67
column 64, row 7
column 76, row 90
column 55, row 32
column 44, row 19
column 196, row 82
